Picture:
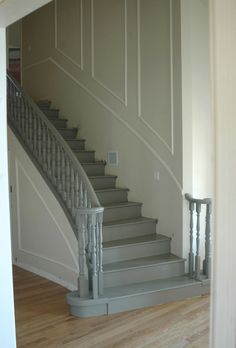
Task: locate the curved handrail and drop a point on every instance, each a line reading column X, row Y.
column 191, row 199
column 91, row 193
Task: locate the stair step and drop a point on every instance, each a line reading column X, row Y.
column 128, row 228
column 143, row 246
column 44, row 104
column 112, row 195
column 103, row 181
column 119, row 211
column 133, row 296
column 95, row 168
column 68, row 132
column 85, row 156
column 59, row 123
column 76, row 144
column 51, row 113
column 144, row 268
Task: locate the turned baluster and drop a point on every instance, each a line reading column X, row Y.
column 197, row 257
column 30, row 129
column 85, row 198
column 44, row 147
column 68, row 199
column 100, row 252
column 72, row 185
column 35, row 134
column 191, row 253
column 49, row 162
column 26, row 123
column 59, row 182
column 207, row 261
column 92, row 224
column 83, row 281
column 81, row 194
column 54, row 180
column 63, row 176
column 40, row 157
column 76, row 191
column 22, row 112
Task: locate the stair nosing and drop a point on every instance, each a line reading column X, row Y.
column 83, row 151
column 116, row 189
column 130, row 222
column 122, row 205
column 101, row 176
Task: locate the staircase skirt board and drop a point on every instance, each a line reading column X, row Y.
column 144, row 298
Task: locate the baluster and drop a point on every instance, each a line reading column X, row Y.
column 100, row 252
column 76, row 191
column 72, row 185
column 26, row 123
column 49, row 166
column 30, row 129
column 85, row 198
column 197, row 257
column 92, row 223
column 83, row 282
column 22, row 112
column 59, row 183
column 207, row 261
column 35, row 134
column 44, row 147
column 63, row 176
column 81, row 194
column 18, row 110
column 68, row 200
column 40, row 157
column 54, row 180
column 191, row 253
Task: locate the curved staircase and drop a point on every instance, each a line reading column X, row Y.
column 124, row 264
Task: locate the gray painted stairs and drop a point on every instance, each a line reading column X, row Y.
column 139, row 269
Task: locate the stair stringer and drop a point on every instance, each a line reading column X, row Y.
column 43, row 240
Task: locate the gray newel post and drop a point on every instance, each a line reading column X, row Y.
column 83, row 281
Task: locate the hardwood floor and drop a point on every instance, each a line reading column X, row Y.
column 43, row 321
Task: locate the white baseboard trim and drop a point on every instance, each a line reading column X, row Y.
column 46, row 275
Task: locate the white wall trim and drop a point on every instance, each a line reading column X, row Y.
column 18, row 165
column 80, row 64
column 170, row 146
column 45, row 275
column 115, row 114
column 125, row 100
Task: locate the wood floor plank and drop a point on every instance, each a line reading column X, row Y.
column 43, row 321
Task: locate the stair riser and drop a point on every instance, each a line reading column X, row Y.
column 94, row 169
column 51, row 113
column 129, row 252
column 68, row 133
column 128, row 231
column 59, row 123
column 112, row 197
column 136, row 275
column 85, row 157
column 127, row 212
column 76, row 144
column 44, row 104
column 103, row 183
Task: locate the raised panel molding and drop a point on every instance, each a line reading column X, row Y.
column 79, row 63
column 19, row 168
column 169, row 146
column 101, row 83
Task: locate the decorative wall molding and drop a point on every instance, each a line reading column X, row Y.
column 125, row 100
column 78, row 64
column 115, row 114
column 170, row 147
column 19, row 166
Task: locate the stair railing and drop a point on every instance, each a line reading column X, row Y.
column 195, row 205
column 63, row 170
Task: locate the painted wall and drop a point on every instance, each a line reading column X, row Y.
column 113, row 68
column 42, row 239
column 7, row 331
column 198, row 124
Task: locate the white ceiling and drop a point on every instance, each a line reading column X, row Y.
column 13, row 10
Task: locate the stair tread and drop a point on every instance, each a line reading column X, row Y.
column 92, row 163
column 141, row 219
column 115, row 189
column 71, row 139
column 102, row 176
column 121, row 204
column 63, row 128
column 135, row 240
column 83, row 151
column 150, row 286
column 141, row 262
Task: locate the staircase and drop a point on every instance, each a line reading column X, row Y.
column 124, row 263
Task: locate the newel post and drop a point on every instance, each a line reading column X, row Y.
column 191, row 253
column 207, row 261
